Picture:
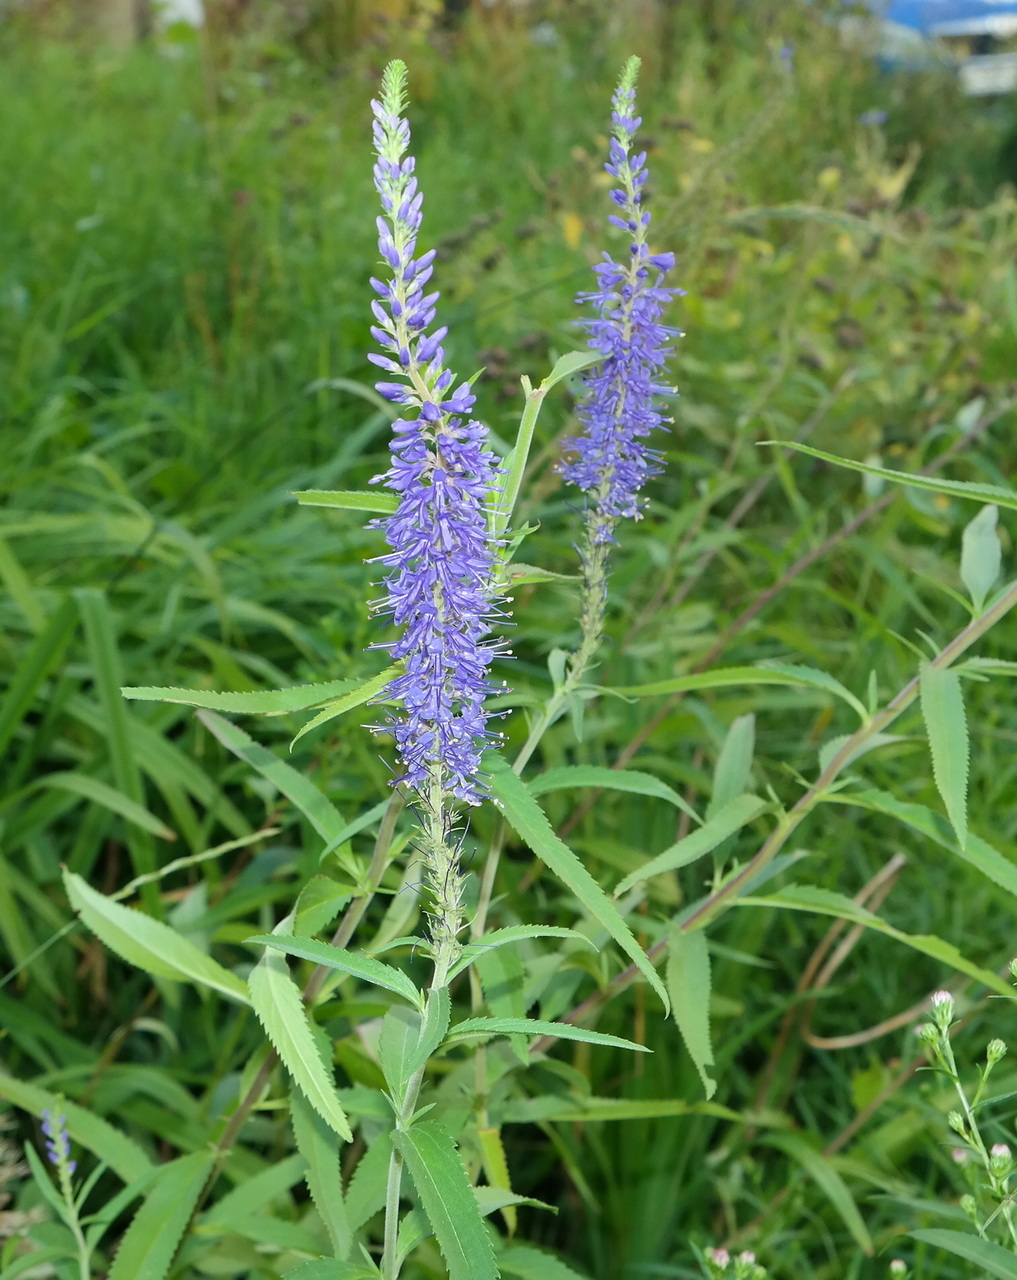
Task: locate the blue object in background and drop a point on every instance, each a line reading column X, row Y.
column 991, row 17
column 972, row 34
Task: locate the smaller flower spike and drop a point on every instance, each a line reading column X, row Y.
column 442, row 560
column 58, row 1142
column 618, row 407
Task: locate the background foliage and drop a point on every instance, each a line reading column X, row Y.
column 185, row 238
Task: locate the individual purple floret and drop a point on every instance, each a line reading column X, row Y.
column 58, row 1142
column 619, row 403
column 439, row 589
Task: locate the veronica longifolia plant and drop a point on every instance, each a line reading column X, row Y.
column 446, row 518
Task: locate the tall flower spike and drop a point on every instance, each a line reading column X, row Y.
column 619, row 404
column 441, row 559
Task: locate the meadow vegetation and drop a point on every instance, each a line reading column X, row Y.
column 186, row 235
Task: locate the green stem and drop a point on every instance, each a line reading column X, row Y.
column 446, row 885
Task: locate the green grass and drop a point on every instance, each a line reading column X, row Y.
column 184, row 254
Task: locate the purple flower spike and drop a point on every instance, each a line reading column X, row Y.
column 618, row 407
column 58, row 1142
column 442, row 559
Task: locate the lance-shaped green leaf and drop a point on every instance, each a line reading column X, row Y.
column 796, row 897
column 320, row 1151
column 515, row 464
column 153, row 1238
column 349, row 499
column 778, row 673
column 295, row 786
column 473, row 951
column 734, row 763
column 978, row 853
column 526, row 1263
column 366, row 968
column 991, row 1259
column 281, row 1012
column 365, row 1195
column 363, row 693
column 100, row 793
column 332, row 1269
column 448, row 1200
column 486, row 1028
column 932, row 484
column 397, row 1045
column 734, row 815
column 981, row 555
column 688, row 981
column 590, row 775
column 149, row 944
column 496, row 1171
column 261, row 702
column 30, row 1261
column 530, row 822
column 947, row 727
column 433, row 1026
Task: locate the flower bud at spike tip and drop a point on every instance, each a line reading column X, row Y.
column 898, row 1267
column 995, row 1051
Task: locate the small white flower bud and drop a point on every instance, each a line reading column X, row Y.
column 959, row 1155
column 747, row 1256
column 942, row 1009
column 995, row 1050
column 898, row 1267
column 1000, row 1160
column 967, row 1203
column 719, row 1257
column 928, row 1033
